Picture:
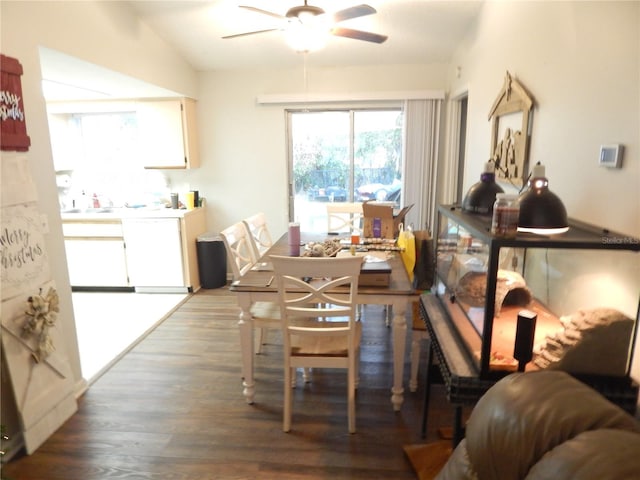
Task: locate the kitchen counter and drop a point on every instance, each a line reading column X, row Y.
column 99, row 214
column 154, row 249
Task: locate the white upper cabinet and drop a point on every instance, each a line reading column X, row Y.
column 167, row 133
column 158, row 133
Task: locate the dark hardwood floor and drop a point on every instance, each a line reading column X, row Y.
column 172, row 409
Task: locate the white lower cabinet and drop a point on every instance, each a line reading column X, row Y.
column 148, row 254
column 97, row 262
column 95, row 254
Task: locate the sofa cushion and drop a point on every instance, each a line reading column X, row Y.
column 458, row 467
column 603, row 454
column 525, row 415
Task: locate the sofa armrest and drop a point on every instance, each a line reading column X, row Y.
column 524, row 416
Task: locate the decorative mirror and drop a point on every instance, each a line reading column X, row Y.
column 511, row 116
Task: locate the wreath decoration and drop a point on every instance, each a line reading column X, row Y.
column 41, row 317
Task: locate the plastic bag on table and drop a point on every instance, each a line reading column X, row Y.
column 407, row 244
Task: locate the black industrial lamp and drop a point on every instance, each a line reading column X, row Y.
column 541, row 211
column 482, row 195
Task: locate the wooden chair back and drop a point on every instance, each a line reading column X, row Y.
column 260, row 236
column 344, row 217
column 240, row 251
column 319, row 327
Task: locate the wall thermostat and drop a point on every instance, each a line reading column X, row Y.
column 611, row 156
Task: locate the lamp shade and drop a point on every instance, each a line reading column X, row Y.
column 541, row 211
column 482, row 195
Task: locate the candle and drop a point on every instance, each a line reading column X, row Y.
column 294, row 239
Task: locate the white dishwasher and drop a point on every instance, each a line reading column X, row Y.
column 154, row 254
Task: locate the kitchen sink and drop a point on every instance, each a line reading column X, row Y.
column 88, row 210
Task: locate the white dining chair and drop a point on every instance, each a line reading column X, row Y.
column 347, row 217
column 344, row 217
column 319, row 327
column 261, row 240
column 240, row 252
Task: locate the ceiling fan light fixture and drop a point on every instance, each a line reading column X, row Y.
column 306, row 37
column 307, row 28
column 304, row 11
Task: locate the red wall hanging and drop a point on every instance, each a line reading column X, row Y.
column 13, row 134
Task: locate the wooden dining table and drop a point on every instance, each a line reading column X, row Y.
column 258, row 285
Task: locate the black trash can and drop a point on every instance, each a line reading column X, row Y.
column 212, row 261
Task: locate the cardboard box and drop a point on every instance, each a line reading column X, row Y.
column 372, row 273
column 379, row 220
column 375, row 274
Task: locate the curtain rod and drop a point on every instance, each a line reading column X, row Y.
column 292, row 98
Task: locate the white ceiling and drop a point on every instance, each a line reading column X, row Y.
column 419, row 31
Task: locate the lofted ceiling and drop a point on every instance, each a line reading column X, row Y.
column 419, row 31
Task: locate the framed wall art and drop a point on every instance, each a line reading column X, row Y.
column 511, row 115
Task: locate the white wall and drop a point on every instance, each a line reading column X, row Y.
column 103, row 33
column 580, row 62
column 243, row 144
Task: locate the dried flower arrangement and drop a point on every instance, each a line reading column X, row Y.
column 41, row 317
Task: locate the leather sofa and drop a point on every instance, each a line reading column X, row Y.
column 546, row 425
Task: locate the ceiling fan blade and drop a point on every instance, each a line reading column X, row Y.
column 264, row 12
column 351, row 12
column 358, row 35
column 251, row 33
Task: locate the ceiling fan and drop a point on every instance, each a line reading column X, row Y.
column 305, row 20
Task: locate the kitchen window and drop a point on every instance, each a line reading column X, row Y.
column 97, row 157
column 349, row 155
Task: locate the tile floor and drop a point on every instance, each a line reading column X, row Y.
column 109, row 324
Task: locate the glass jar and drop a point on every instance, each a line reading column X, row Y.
column 506, row 211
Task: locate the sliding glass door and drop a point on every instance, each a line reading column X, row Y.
column 342, row 156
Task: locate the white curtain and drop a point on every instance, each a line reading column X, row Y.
column 422, row 132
